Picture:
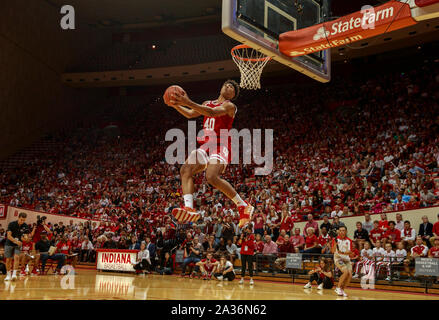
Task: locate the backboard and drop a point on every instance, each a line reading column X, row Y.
column 258, row 24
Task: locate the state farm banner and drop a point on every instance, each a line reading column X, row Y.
column 12, row 215
column 357, row 26
column 116, row 260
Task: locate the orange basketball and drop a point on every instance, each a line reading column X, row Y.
column 170, row 91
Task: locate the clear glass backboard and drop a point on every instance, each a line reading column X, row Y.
column 258, row 24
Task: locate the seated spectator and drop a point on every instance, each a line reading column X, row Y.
column 360, row 235
column 400, row 256
column 297, row 240
column 355, row 254
column 324, row 241
column 221, row 248
column 87, row 253
column 376, row 234
column 399, row 224
column 283, row 249
column 311, row 224
column 28, row 254
column 143, row 262
column 408, row 235
column 392, row 236
column 232, row 251
column 322, row 274
column 367, row 224
column 44, row 249
column 209, row 245
column 434, row 252
column 64, row 246
column 281, row 239
column 207, row 266
column 435, row 231
column 311, row 244
column 325, row 223
column 269, row 253
column 366, row 255
column 166, row 265
column 419, row 250
column 192, row 254
column 426, row 230
column 336, row 224
column 384, row 223
column 225, row 270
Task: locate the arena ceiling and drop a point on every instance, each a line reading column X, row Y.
column 134, row 14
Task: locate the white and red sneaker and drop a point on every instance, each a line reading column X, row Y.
column 245, row 214
column 23, row 273
column 185, row 214
column 35, row 272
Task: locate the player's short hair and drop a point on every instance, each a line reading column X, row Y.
column 236, row 86
column 22, row 215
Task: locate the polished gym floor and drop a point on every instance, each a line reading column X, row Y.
column 93, row 285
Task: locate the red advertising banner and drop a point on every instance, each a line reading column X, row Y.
column 425, row 3
column 357, row 26
column 3, row 211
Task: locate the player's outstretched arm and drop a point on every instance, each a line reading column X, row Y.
column 225, row 108
column 186, row 112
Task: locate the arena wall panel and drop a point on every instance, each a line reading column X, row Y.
column 414, row 216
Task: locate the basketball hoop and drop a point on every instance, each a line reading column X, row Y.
column 250, row 62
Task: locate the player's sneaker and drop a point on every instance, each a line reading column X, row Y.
column 34, row 272
column 388, row 279
column 27, row 269
column 241, row 281
column 320, row 286
column 23, row 273
column 8, row 276
column 307, row 286
column 356, row 276
column 245, row 214
column 209, row 276
column 220, row 278
column 344, row 293
column 204, row 276
column 251, row 282
column 14, row 276
column 338, row 291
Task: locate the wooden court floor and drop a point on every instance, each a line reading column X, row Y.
column 93, row 285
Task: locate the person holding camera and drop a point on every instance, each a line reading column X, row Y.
column 192, row 252
column 16, row 229
column 39, row 228
column 247, row 252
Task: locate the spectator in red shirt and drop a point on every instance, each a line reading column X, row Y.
column 297, row 240
column 384, row 223
column 420, row 250
column 313, row 224
column 285, row 248
column 247, row 253
column 64, row 246
column 392, row 235
column 324, row 241
column 435, row 231
column 286, row 222
column 311, row 244
column 376, row 234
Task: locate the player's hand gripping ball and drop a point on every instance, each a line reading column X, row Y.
column 172, row 90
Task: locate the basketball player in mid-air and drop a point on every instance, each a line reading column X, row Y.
column 342, row 249
column 214, row 152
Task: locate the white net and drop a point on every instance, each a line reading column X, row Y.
column 250, row 63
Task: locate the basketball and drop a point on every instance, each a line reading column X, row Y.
column 170, row 91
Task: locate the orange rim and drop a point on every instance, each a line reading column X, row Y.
column 244, row 46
